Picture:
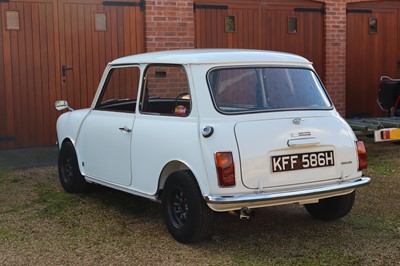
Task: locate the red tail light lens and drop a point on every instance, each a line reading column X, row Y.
column 362, row 155
column 225, row 169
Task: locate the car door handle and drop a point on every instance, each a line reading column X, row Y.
column 303, row 142
column 125, row 128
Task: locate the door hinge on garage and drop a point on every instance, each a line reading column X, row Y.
column 112, row 3
column 310, row 9
column 7, row 138
column 365, row 11
column 198, row 6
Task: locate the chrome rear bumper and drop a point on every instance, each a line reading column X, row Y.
column 257, row 200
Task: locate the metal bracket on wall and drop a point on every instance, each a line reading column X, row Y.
column 111, row 3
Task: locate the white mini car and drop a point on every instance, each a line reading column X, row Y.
column 206, row 131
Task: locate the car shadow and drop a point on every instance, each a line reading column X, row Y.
column 274, row 227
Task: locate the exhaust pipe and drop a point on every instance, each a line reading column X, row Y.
column 246, row 213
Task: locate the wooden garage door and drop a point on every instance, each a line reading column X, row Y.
column 28, row 74
column 372, row 52
column 37, row 39
column 94, row 33
column 288, row 26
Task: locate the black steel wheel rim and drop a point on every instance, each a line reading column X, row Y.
column 67, row 169
column 179, row 210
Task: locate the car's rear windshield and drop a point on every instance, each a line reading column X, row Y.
column 255, row 89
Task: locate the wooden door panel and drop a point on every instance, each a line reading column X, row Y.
column 263, row 25
column 308, row 39
column 211, row 29
column 29, row 77
column 370, row 55
column 87, row 47
column 6, row 103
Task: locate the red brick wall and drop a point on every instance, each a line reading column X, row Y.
column 335, row 52
column 169, row 25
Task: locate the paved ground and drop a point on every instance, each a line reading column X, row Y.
column 28, row 157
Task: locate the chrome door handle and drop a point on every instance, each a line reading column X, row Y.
column 125, row 128
column 303, row 142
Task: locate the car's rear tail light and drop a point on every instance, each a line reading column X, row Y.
column 225, row 169
column 362, row 155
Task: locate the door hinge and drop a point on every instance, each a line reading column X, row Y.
column 202, row 6
column 7, row 138
column 365, row 11
column 140, row 4
column 310, row 9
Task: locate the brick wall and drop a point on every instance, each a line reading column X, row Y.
column 335, row 52
column 169, row 25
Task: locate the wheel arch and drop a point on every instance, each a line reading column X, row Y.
column 175, row 166
column 77, row 152
column 67, row 140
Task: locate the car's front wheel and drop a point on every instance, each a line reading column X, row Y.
column 332, row 208
column 187, row 216
column 71, row 178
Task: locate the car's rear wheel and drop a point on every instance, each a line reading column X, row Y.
column 71, row 178
column 187, row 216
column 332, row 208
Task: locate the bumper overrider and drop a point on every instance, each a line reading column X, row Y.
column 257, row 200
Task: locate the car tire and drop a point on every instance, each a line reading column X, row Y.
column 332, row 208
column 71, row 178
column 187, row 216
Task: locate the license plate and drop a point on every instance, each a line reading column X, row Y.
column 301, row 161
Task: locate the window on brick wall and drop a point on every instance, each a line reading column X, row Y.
column 166, row 91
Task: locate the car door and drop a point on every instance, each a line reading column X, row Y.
column 107, row 130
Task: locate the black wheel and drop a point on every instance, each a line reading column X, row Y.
column 332, row 208
column 70, row 176
column 187, row 216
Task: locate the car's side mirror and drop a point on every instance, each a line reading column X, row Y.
column 61, row 105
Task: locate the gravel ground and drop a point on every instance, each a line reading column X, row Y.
column 42, row 225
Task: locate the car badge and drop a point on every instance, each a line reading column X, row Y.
column 296, row 121
column 300, row 134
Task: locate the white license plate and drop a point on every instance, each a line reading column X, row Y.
column 301, row 161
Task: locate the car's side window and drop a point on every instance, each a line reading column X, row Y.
column 120, row 91
column 166, row 91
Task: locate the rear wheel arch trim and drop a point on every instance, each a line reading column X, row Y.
column 176, row 166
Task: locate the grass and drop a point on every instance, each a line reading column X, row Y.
column 41, row 224
column 3, row 174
